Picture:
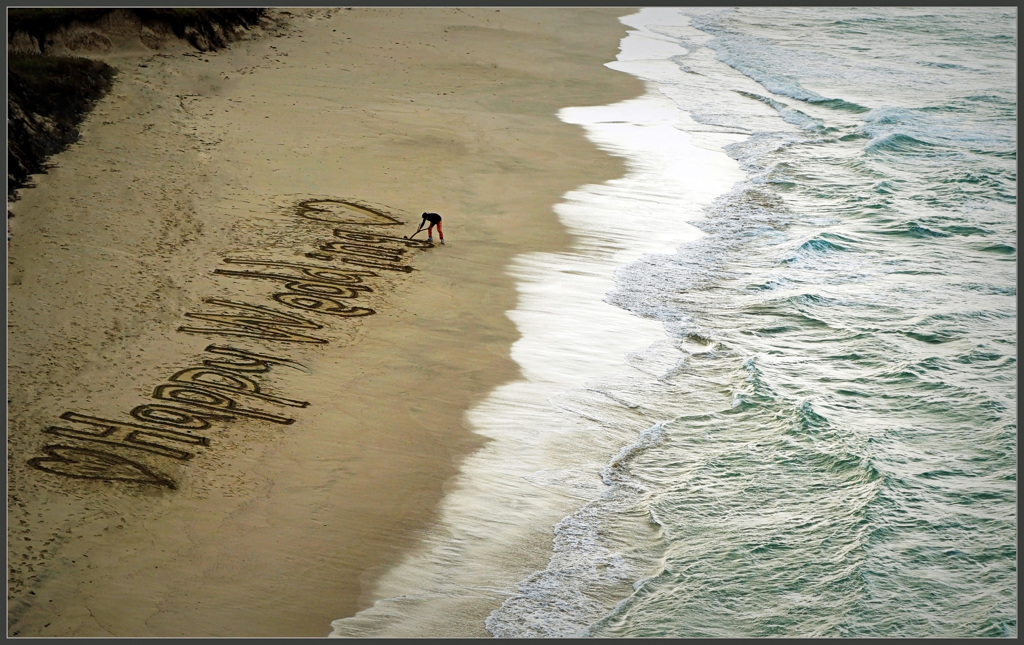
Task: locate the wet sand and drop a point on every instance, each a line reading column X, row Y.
column 235, row 391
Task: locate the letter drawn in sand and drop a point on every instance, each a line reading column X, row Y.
column 268, row 324
column 83, row 463
column 304, row 287
column 359, row 262
column 129, row 435
column 362, row 250
column 311, row 295
column 372, row 238
column 224, row 380
column 340, row 211
column 322, row 305
column 348, row 276
column 317, row 287
column 246, row 361
column 177, row 417
column 210, row 399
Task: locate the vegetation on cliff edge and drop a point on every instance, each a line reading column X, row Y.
column 48, row 96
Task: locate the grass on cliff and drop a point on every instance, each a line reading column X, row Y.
column 48, row 96
column 58, row 87
column 39, row 22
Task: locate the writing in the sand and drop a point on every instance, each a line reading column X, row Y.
column 225, row 383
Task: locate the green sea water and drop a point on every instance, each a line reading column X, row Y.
column 830, row 424
column 771, row 388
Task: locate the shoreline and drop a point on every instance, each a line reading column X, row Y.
column 214, row 155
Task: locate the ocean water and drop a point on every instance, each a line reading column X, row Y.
column 771, row 389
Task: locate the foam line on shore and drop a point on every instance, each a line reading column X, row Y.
column 542, row 461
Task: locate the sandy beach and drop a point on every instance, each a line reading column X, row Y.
column 235, row 390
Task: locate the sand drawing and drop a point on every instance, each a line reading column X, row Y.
column 83, row 463
column 342, row 211
column 225, row 386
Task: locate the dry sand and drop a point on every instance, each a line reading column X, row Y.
column 254, row 526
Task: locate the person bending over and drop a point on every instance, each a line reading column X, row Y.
column 435, row 220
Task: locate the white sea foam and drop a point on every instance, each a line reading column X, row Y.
column 543, row 460
column 835, row 351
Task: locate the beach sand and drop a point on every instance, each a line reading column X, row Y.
column 275, row 468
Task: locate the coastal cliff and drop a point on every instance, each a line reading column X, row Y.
column 57, row 67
